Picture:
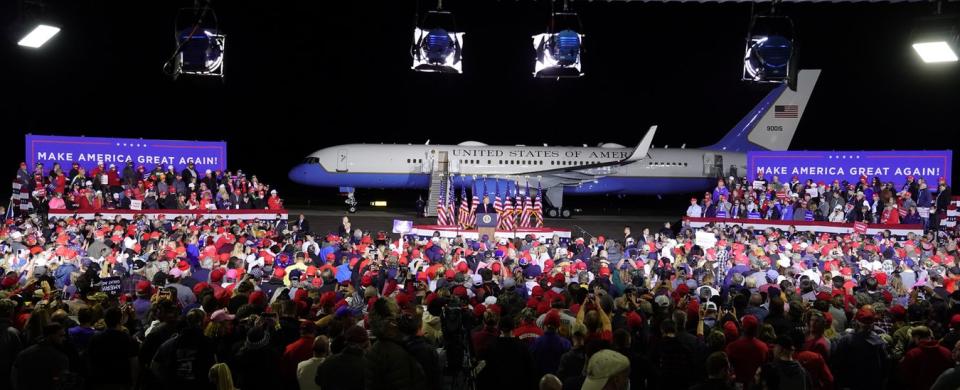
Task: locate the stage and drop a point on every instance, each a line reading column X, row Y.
column 454, row 231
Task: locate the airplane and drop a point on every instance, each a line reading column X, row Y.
column 565, row 170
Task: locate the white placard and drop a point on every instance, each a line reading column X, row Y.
column 136, row 204
column 812, row 192
column 706, row 239
column 924, row 212
column 759, row 185
column 104, row 179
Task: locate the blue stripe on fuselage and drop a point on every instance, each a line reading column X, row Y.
column 315, row 175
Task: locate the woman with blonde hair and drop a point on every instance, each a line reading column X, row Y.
column 221, row 377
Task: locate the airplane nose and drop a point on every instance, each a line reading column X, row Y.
column 299, row 174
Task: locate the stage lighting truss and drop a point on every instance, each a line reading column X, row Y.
column 437, row 44
column 558, row 51
column 936, row 39
column 770, row 54
column 201, row 46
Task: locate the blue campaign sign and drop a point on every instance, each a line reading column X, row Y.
column 88, row 151
column 826, row 166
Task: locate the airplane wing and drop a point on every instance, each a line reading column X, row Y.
column 582, row 173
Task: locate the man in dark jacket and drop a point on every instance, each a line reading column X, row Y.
column 548, row 349
column 111, row 354
column 345, row 370
column 190, row 172
column 130, row 176
column 409, row 324
column 10, row 344
column 388, row 365
column 860, row 359
column 508, row 354
column 257, row 364
column 784, row 372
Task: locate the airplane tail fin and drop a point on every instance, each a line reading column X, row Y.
column 772, row 123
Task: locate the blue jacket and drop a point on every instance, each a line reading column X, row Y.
column 547, row 350
column 924, row 198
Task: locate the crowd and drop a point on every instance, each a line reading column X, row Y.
column 190, row 303
column 913, row 202
column 110, row 187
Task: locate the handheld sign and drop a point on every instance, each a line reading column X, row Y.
column 111, row 286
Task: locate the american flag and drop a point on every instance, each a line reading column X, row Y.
column 474, row 203
column 464, row 208
column 498, row 202
column 506, row 218
column 786, row 111
column 451, row 206
column 538, row 207
column 527, row 209
column 441, row 205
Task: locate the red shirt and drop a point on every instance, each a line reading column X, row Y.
column 820, row 346
column 296, row 352
column 924, row 363
column 817, row 368
column 746, row 355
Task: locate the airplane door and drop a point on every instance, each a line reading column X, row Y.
column 442, row 161
column 712, row 165
column 342, row 160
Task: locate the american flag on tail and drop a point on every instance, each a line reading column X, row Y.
column 464, row 208
column 474, row 203
column 506, row 218
column 538, row 207
column 441, row 205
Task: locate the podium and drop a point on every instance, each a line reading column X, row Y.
column 487, row 224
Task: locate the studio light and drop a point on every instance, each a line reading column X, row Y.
column 201, row 53
column 437, row 43
column 38, row 36
column 935, row 39
column 558, row 51
column 201, row 46
column 770, row 54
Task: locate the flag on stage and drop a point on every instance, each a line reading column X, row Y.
column 442, row 204
column 527, row 208
column 464, row 207
column 451, row 205
column 498, row 202
column 506, row 219
column 474, row 203
column 538, row 207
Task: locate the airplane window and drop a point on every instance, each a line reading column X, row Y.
column 489, row 162
column 684, row 164
column 311, row 160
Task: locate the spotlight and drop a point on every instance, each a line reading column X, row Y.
column 770, row 55
column 201, row 52
column 201, row 46
column 936, row 39
column 437, row 44
column 558, row 50
column 38, row 36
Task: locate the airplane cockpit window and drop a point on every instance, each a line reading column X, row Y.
column 311, row 160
